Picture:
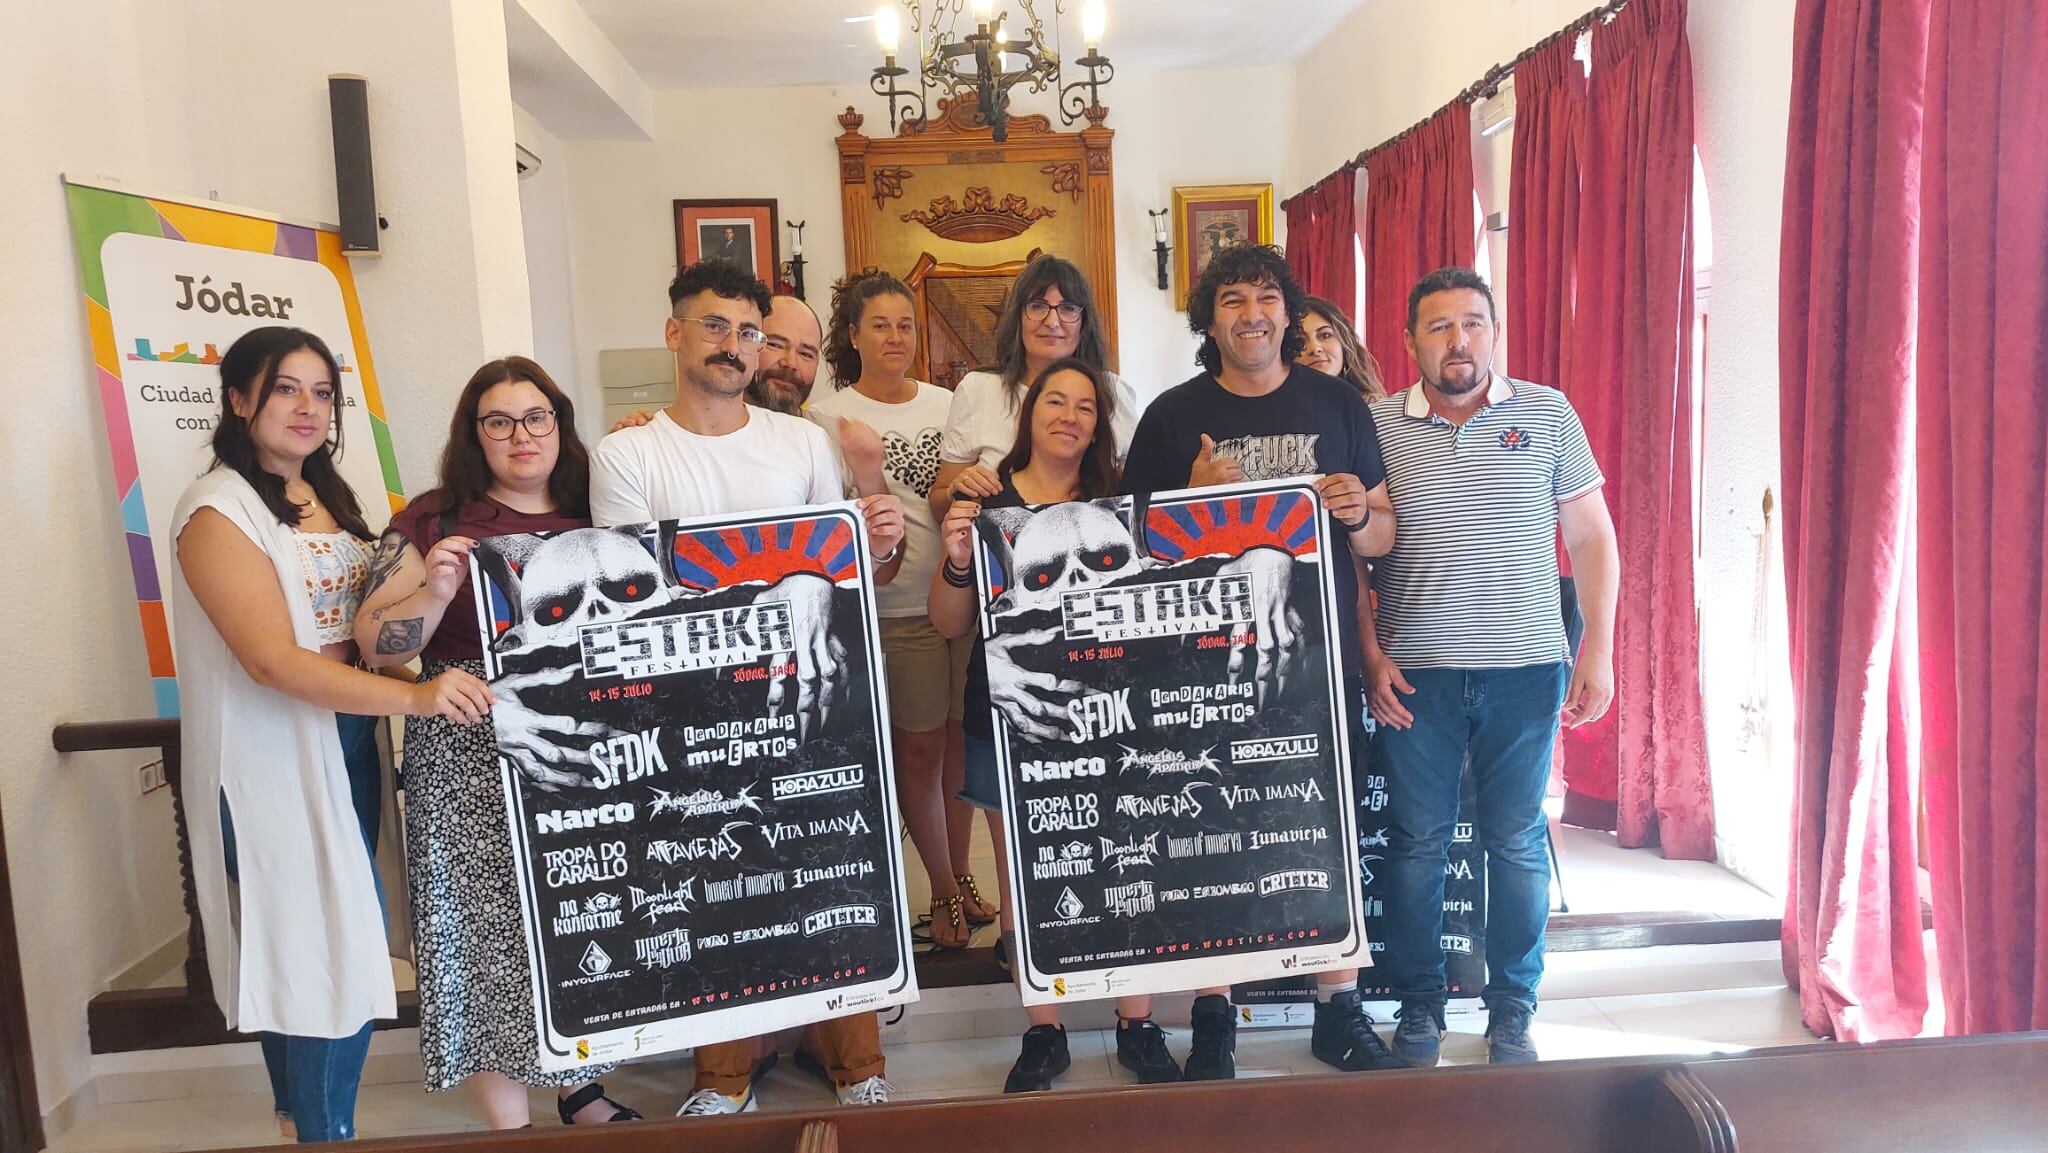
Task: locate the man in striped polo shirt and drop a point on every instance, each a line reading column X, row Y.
column 1467, row 659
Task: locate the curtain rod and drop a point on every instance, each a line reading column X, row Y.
column 1484, row 88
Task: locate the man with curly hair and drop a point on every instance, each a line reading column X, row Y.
column 1254, row 414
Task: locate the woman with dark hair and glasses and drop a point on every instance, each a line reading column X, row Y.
column 1049, row 315
column 282, row 762
column 513, row 464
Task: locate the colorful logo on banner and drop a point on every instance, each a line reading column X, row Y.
column 725, row 557
column 168, row 288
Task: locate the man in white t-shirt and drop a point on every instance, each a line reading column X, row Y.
column 708, row 453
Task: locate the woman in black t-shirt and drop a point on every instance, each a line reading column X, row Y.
column 1065, row 450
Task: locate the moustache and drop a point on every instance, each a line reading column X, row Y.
column 725, row 358
column 782, row 373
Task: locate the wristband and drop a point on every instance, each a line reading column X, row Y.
column 959, row 578
column 1351, row 528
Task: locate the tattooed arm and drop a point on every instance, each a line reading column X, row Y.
column 406, row 596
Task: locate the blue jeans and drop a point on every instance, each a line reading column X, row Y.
column 1505, row 722
column 313, row 1080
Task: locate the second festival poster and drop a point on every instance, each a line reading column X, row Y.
column 1174, row 770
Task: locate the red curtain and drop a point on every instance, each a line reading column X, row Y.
column 1543, row 188
column 1419, row 219
column 1983, row 452
column 1631, row 382
column 1846, row 298
column 1322, row 234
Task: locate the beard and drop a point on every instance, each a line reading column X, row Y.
column 778, row 391
column 1462, row 385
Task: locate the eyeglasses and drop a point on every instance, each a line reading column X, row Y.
column 540, row 422
column 717, row 328
column 1070, row 313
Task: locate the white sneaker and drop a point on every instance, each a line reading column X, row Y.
column 712, row 1103
column 873, row 1091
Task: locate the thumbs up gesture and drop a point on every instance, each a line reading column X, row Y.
column 1212, row 469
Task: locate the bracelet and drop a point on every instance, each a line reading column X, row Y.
column 1350, row 528
column 893, row 554
column 959, row 578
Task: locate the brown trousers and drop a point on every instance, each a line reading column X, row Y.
column 850, row 1049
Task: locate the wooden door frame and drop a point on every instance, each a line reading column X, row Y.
column 872, row 170
column 21, row 1117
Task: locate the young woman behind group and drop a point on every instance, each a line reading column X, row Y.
column 281, row 756
column 1063, row 450
column 1331, row 346
column 513, row 464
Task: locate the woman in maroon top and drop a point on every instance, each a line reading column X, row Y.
column 513, row 465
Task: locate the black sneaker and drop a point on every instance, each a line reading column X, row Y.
column 1141, row 1048
column 1044, row 1057
column 1213, row 1056
column 1343, row 1037
column 1507, row 1034
column 1418, row 1039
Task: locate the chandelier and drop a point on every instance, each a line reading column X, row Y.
column 979, row 63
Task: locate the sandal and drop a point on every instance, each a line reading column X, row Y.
column 977, row 910
column 946, row 911
column 569, row 1106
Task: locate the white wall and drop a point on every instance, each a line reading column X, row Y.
column 205, row 96
column 551, row 284
column 1391, row 65
column 1208, row 127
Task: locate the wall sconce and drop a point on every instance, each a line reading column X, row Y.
column 1159, row 246
column 796, row 257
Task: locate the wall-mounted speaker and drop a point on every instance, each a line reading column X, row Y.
column 355, row 188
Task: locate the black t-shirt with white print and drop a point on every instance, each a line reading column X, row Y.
column 1313, row 424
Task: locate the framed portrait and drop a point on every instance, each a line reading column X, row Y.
column 742, row 231
column 1209, row 218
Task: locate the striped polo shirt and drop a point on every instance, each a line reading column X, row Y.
column 1471, row 582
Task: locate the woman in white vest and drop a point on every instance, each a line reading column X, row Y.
column 279, row 728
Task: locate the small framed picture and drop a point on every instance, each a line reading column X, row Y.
column 742, row 231
column 1209, row 218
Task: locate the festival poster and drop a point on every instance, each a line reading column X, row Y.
column 1173, row 757
column 169, row 286
column 695, row 758
column 1290, row 1001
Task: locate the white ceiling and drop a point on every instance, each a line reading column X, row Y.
column 762, row 43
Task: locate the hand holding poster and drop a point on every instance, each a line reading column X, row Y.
column 696, row 768
column 1175, row 772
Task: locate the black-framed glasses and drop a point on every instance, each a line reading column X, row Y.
column 1070, row 313
column 539, row 423
column 717, row 328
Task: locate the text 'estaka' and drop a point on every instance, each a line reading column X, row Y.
column 1166, row 609
column 687, row 642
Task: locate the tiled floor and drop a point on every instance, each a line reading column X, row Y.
column 208, row 1108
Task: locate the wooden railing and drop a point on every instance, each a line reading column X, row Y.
column 1974, row 1095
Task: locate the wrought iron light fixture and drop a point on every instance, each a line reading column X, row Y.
column 1159, row 246
column 977, row 63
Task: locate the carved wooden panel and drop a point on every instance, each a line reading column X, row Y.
column 942, row 201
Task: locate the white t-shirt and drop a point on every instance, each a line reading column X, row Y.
column 663, row 471
column 981, row 427
column 910, row 434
